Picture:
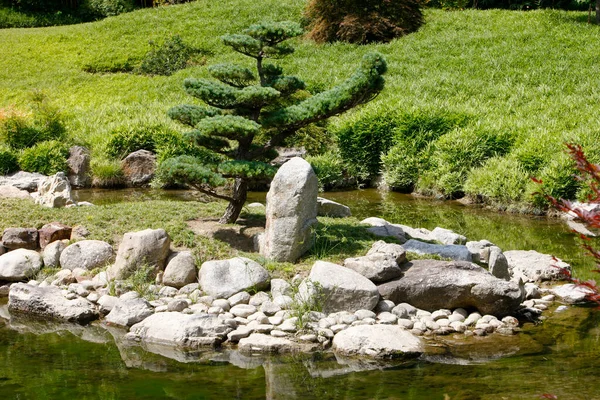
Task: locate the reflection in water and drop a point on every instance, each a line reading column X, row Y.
column 56, row 361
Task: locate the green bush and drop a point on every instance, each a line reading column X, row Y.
column 46, row 158
column 500, row 179
column 558, row 180
column 401, row 167
column 8, row 161
column 104, row 66
column 108, row 8
column 127, row 139
column 455, row 154
column 330, row 170
column 167, row 58
column 363, row 140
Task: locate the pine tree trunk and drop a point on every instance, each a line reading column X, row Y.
column 240, row 192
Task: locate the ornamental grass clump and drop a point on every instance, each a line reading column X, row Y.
column 247, row 113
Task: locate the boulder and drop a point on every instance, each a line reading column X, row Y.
column 149, row 247
column 480, row 251
column 20, row 238
column 451, row 251
column 87, row 254
column 224, row 278
column 52, row 232
column 55, row 192
column 382, row 228
column 497, row 263
column 127, row 312
column 48, row 302
column 329, row 208
column 19, row 265
column 259, row 342
column 531, row 266
column 52, row 252
column 572, row 294
column 432, row 285
column 291, row 212
column 338, row 289
column 79, row 167
column 378, row 267
column 378, row 341
column 177, row 329
column 138, row 168
column 393, row 249
column 181, row 270
column 79, row 233
column 28, row 181
column 11, row 192
column 446, row 236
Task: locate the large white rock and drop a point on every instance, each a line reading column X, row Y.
column 446, row 236
column 336, row 288
column 177, row 329
column 291, row 212
column 149, row 247
column 55, row 192
column 572, row 294
column 127, row 312
column 12, row 192
column 48, row 302
column 531, row 266
column 224, row 278
column 181, row 270
column 19, row 265
column 86, row 254
column 28, row 181
column 259, row 342
column 379, row 341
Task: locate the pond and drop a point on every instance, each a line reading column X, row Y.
column 559, row 357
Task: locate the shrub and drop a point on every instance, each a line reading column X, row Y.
column 357, row 21
column 46, row 158
column 169, row 57
column 106, row 173
column 455, row 154
column 557, row 180
column 362, row 141
column 127, row 139
column 8, row 161
column 110, row 66
column 401, row 166
column 108, row 8
column 330, row 170
column 500, row 179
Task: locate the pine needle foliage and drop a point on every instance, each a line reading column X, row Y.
column 247, row 113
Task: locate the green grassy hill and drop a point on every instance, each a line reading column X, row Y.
column 533, row 75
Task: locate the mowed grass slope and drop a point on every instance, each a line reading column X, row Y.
column 533, row 74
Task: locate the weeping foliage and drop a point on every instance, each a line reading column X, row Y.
column 247, row 113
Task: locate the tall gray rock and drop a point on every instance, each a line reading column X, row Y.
column 149, row 247
column 291, row 212
column 79, row 167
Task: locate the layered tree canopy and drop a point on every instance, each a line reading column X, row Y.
column 246, row 113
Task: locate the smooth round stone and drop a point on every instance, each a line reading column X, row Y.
column 548, row 297
column 208, row 300
column 462, row 312
column 199, row 308
column 93, row 297
column 505, row 330
column 443, row 322
column 71, row 296
column 226, row 315
column 400, row 311
column 458, row 326
column 215, row 310
column 189, row 288
column 384, row 306
column 369, row 321
column 257, row 315
column 275, row 320
column 416, row 332
column 444, row 330
column 439, row 314
column 359, row 322
column 479, row 332
column 289, row 325
column 348, row 319
column 561, row 308
column 387, row 318
column 528, row 303
column 239, row 298
column 542, row 307
column 241, row 321
column 419, row 325
column 510, row 321
column 223, row 303
column 129, row 295
column 495, row 323
column 468, row 333
column 338, row 327
column 308, row 338
column 284, row 302
column 243, row 310
column 162, row 308
column 362, row 314
column 263, row 328
column 456, row 318
column 472, row 318
column 177, row 305
column 405, row 323
column 168, row 291
column 33, row 283
column 260, row 318
column 258, row 299
column 239, row 333
column 314, row 316
column 227, row 321
column 431, row 324
column 423, row 313
column 487, row 318
column 278, row 333
column 328, row 333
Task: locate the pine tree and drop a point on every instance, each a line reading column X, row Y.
column 247, row 114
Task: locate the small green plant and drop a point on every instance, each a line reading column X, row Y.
column 140, row 281
column 46, row 158
column 331, row 171
column 44, row 274
column 500, row 179
column 127, row 139
column 167, row 58
column 106, row 173
column 307, row 296
column 104, row 66
column 8, row 160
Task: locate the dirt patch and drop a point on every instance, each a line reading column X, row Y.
column 239, row 236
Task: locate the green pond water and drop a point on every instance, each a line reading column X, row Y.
column 559, row 357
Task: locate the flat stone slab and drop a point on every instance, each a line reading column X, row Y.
column 48, row 302
column 259, row 342
column 531, row 266
column 451, row 251
column 378, row 341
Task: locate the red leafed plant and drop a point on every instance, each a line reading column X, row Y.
column 589, row 173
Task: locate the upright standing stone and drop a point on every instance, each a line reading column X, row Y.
column 79, row 167
column 291, row 212
column 149, row 247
